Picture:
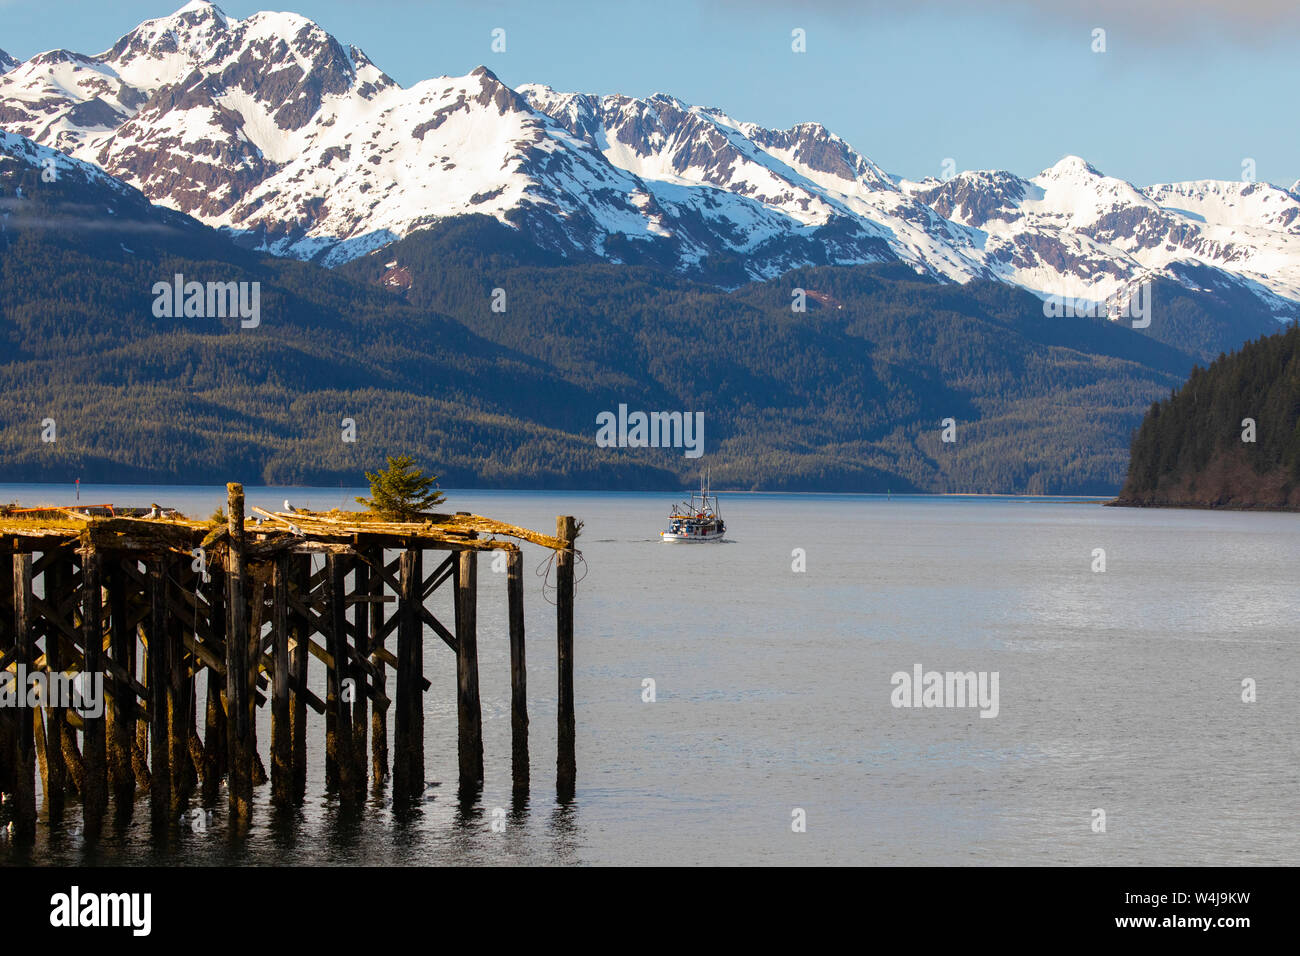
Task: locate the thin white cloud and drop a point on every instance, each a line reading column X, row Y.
column 1159, row 21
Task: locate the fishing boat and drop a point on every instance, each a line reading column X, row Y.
column 696, row 520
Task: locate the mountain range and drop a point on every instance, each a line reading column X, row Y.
column 649, row 250
column 849, row 395
column 298, row 145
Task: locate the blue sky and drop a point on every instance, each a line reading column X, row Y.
column 1186, row 89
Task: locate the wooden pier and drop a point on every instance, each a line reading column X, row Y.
column 150, row 603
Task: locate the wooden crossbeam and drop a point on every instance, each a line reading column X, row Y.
column 441, row 574
column 52, row 617
column 391, row 624
column 52, row 557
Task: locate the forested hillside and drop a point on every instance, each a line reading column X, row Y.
column 1229, row 437
column 849, row 395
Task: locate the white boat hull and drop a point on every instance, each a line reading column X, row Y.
column 673, row 538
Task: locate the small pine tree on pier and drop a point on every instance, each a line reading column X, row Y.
column 401, row 492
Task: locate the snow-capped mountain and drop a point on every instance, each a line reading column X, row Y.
column 19, row 153
column 7, row 62
column 1074, row 231
column 780, row 198
column 273, row 130
column 44, row 189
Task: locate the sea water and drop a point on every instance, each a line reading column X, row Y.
column 738, row 702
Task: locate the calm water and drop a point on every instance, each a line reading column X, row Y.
column 1118, row 690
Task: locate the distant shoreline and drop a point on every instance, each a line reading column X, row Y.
column 89, row 491
column 1199, row 506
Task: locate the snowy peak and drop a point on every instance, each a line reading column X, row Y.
column 1075, row 192
column 1234, row 204
column 492, row 92
column 163, row 51
column 976, row 197
column 62, row 98
column 1070, row 169
column 280, row 60
column 813, row 149
column 663, row 140
column 7, row 62
column 198, row 108
column 280, row 65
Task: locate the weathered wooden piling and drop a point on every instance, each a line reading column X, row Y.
column 239, row 758
column 8, row 716
column 469, row 716
column 74, row 764
column 379, row 712
column 116, row 601
column 362, row 654
column 299, row 585
column 38, row 737
column 519, row 769
column 121, row 704
column 566, row 759
column 253, row 655
column 94, row 790
column 281, row 731
column 346, row 677
column 140, row 746
column 179, row 694
column 408, row 724
column 24, row 651
column 215, row 730
column 160, row 791
column 331, row 681
column 57, row 570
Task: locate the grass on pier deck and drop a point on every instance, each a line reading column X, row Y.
column 177, row 531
